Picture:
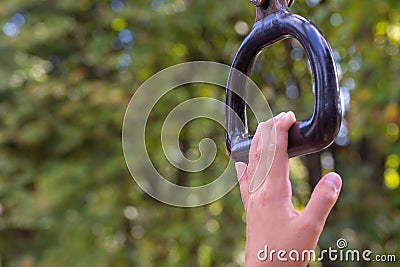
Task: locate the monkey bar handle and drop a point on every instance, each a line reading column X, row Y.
column 274, row 23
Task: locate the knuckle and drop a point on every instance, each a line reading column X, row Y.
column 326, row 197
column 254, row 149
column 313, row 225
column 267, row 124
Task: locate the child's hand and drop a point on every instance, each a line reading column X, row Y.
column 272, row 221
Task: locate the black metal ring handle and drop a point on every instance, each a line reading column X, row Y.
column 308, row 136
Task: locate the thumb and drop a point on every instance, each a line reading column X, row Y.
column 241, row 170
column 322, row 200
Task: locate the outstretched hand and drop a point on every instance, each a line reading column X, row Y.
column 271, row 220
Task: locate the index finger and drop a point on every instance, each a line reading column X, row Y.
column 262, row 153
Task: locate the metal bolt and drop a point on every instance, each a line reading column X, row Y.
column 259, row 3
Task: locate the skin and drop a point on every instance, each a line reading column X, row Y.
column 271, row 219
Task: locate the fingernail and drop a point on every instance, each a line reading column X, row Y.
column 240, row 169
column 333, row 180
column 280, row 115
column 290, row 113
column 258, row 128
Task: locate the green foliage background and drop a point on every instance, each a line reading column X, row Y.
column 66, row 196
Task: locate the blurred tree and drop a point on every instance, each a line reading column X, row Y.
column 67, row 72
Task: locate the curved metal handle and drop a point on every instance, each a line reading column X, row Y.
column 307, row 136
